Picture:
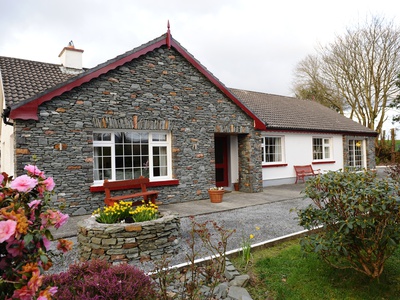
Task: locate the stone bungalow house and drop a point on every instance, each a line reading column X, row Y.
column 156, row 111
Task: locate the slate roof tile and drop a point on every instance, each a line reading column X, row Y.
column 22, row 79
column 288, row 113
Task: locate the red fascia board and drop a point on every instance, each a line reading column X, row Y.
column 258, row 124
column 29, row 111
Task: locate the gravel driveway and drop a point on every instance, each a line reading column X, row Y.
column 273, row 220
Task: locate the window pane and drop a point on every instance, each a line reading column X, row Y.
column 272, row 149
column 102, row 163
column 317, row 149
column 102, row 136
column 160, row 161
column 355, row 154
column 159, row 137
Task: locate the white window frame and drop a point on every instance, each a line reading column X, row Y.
column 282, row 153
column 362, row 153
column 151, row 146
column 326, row 143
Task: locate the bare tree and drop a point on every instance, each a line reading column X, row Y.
column 356, row 73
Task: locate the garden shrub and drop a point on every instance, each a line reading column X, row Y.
column 358, row 215
column 98, row 279
column 26, row 218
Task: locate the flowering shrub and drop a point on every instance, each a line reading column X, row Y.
column 25, row 219
column 97, row 279
column 123, row 211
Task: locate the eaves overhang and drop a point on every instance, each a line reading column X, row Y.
column 325, row 131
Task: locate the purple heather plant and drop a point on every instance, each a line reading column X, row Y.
column 98, row 279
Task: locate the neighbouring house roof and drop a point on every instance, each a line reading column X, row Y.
column 24, row 79
column 28, row 107
column 288, row 113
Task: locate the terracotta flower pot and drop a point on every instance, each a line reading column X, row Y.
column 216, row 195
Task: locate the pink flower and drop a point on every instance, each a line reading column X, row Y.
column 34, row 204
column 46, row 243
column 49, row 184
column 1, row 178
column 48, row 218
column 62, row 219
column 33, row 170
column 7, row 229
column 15, row 247
column 23, row 183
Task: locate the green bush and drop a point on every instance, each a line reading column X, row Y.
column 358, row 218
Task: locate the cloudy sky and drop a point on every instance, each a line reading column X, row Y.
column 247, row 44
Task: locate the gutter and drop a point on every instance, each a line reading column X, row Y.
column 6, row 115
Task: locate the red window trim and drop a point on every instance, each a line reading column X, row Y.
column 99, row 188
column 274, row 165
column 323, row 162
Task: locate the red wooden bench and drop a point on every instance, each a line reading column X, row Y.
column 129, row 184
column 303, row 171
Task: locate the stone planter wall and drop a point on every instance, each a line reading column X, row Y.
column 116, row 243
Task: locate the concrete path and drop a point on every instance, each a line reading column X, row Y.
column 231, row 201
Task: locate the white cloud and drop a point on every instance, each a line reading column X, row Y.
column 249, row 44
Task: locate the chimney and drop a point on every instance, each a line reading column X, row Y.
column 70, row 57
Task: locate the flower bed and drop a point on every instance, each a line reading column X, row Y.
column 125, row 242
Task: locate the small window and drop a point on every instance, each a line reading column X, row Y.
column 272, row 149
column 322, row 149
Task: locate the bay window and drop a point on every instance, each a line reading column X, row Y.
column 120, row 155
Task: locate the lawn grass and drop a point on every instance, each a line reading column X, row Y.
column 284, row 272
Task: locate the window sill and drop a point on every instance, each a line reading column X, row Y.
column 99, row 188
column 274, row 165
column 323, row 162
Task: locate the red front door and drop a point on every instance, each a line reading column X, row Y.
column 221, row 160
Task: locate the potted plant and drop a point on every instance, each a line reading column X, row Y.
column 216, row 194
column 236, row 185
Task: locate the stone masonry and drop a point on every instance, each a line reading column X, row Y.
column 157, row 91
column 118, row 243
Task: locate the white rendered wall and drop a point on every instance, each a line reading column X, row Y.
column 6, row 140
column 234, row 160
column 298, row 151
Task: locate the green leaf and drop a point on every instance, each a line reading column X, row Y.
column 28, row 238
column 44, row 258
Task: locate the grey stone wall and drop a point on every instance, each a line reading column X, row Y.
column 160, row 90
column 118, row 243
